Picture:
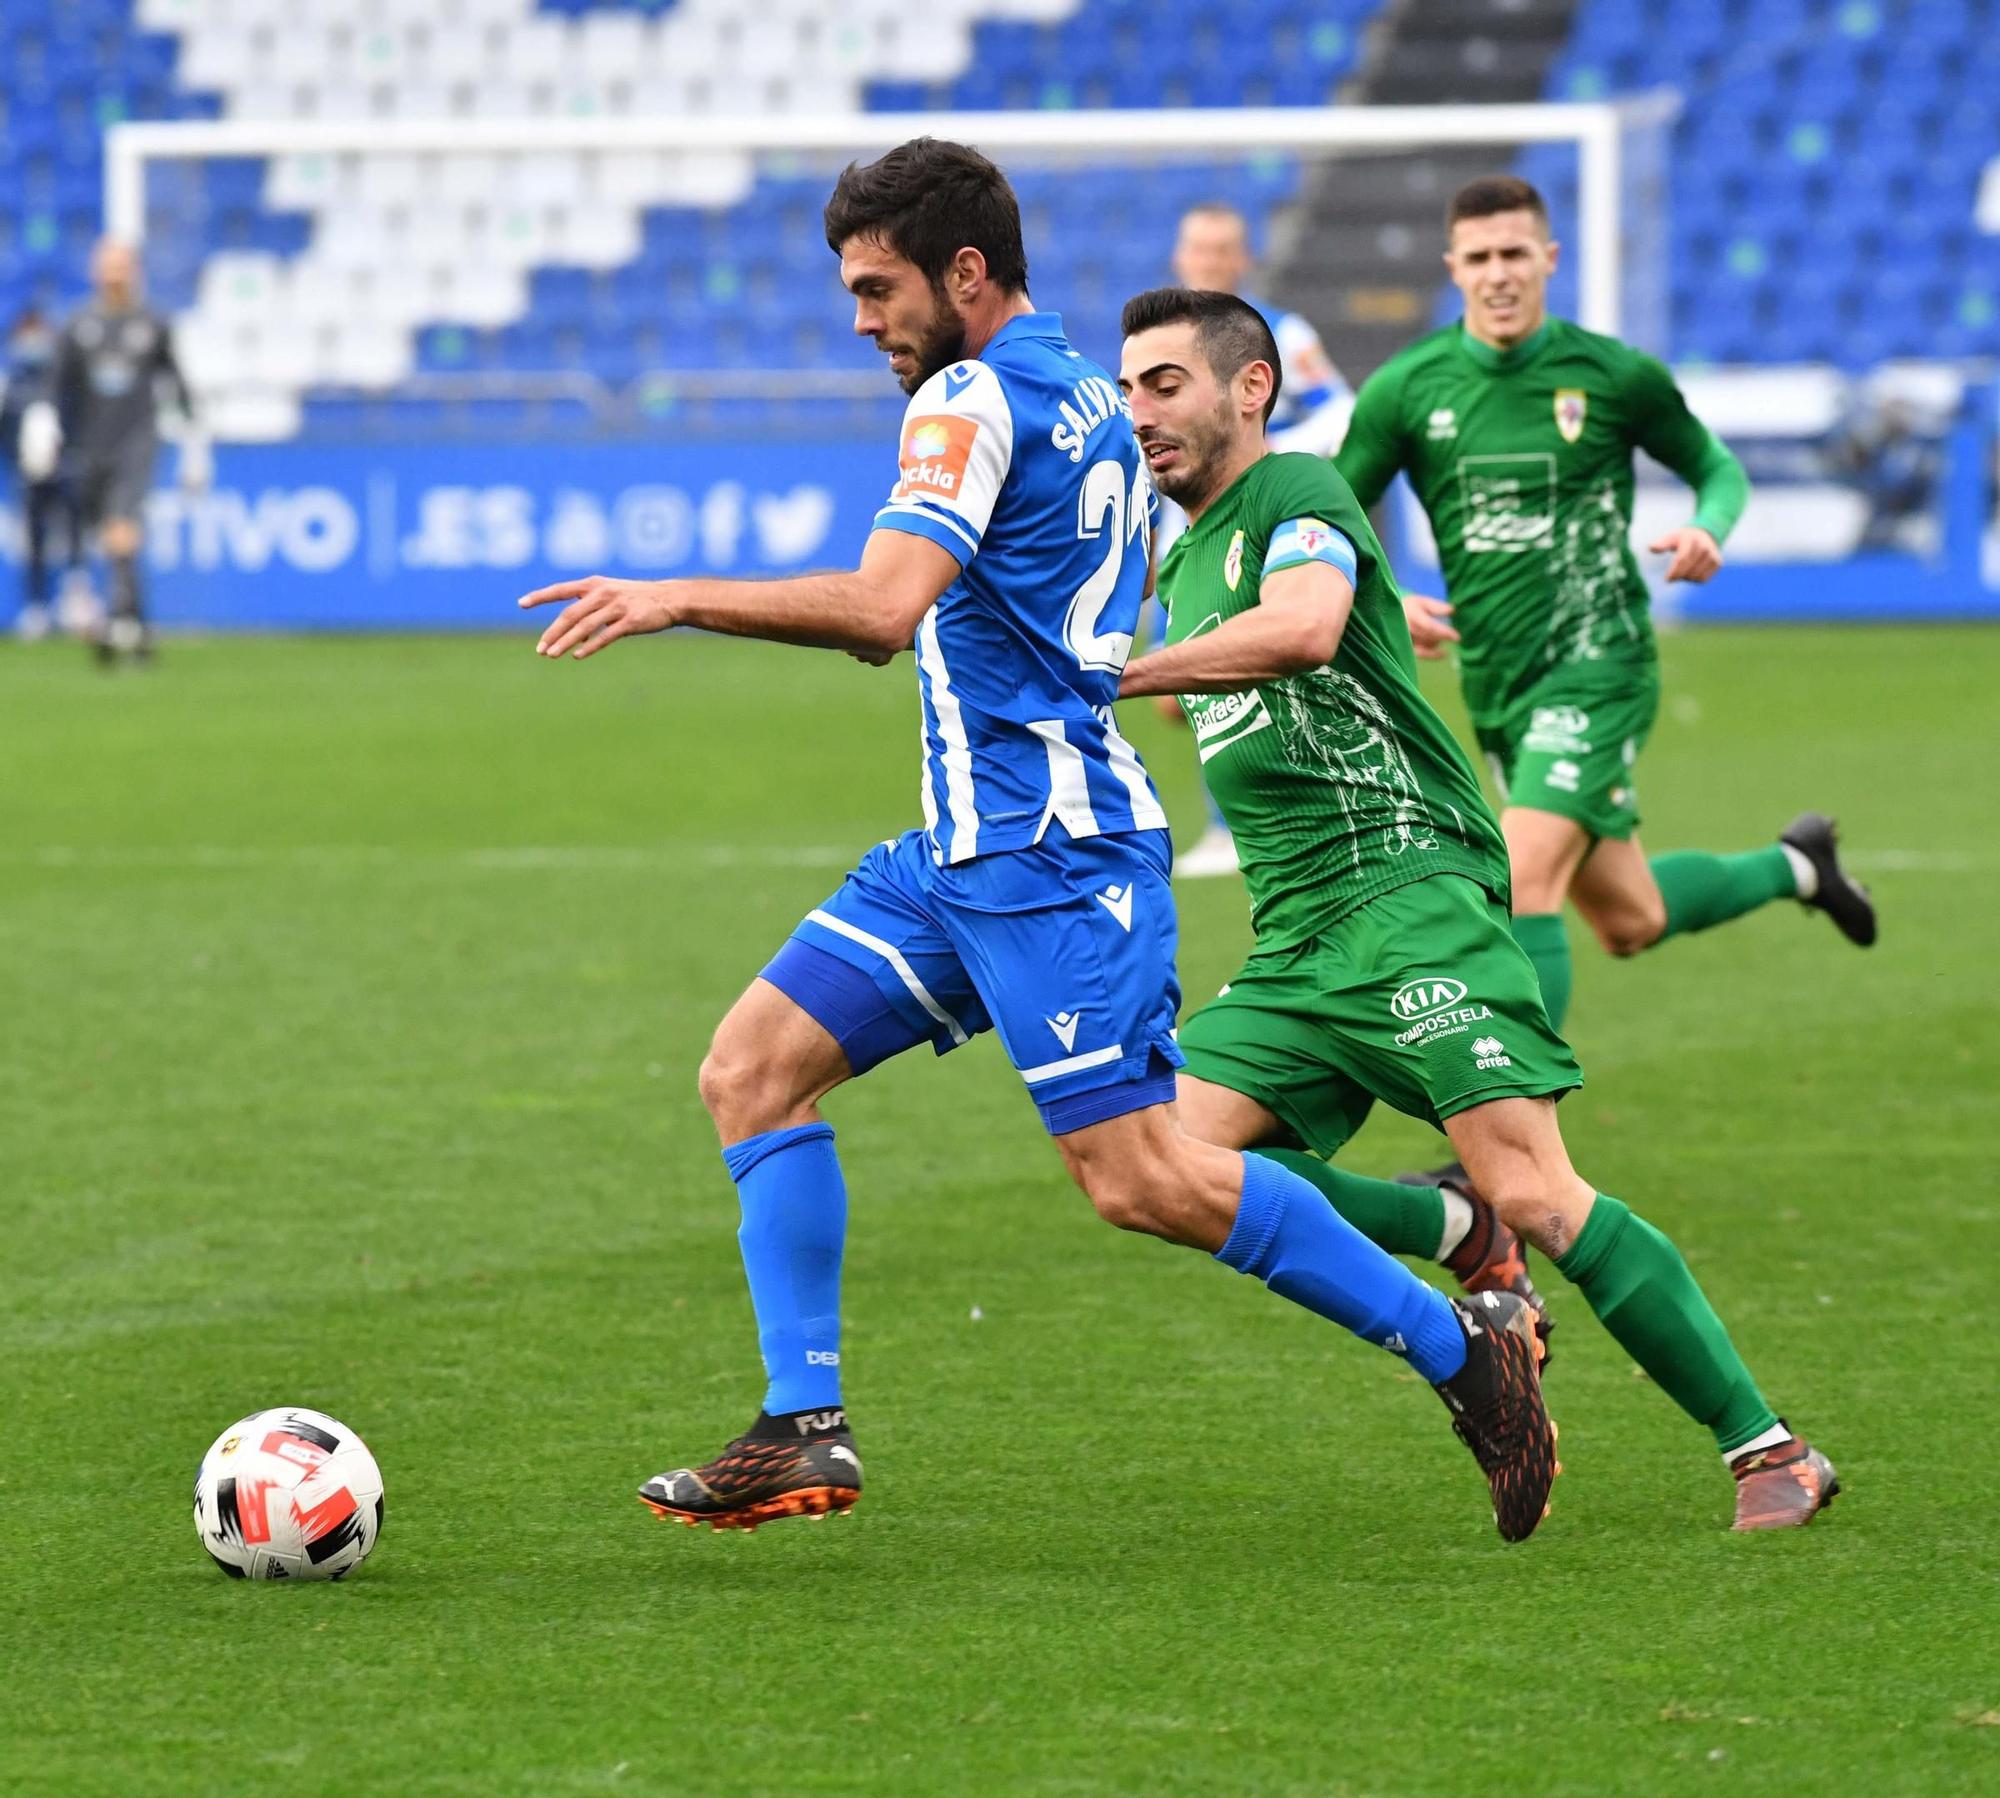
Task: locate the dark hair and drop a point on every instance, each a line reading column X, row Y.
column 1232, row 332
column 927, row 200
column 1495, row 193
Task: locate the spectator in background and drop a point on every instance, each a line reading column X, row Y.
column 25, row 379
column 1212, row 252
column 114, row 366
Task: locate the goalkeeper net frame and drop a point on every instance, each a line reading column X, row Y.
column 1619, row 222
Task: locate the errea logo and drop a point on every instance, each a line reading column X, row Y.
column 1419, row 998
column 1443, row 425
column 1490, row 1052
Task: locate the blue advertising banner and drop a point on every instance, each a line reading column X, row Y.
column 433, row 535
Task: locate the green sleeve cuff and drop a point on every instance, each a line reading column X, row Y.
column 1721, row 491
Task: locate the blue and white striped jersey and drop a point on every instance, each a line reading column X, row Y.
column 1023, row 464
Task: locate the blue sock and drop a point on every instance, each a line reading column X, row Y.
column 1289, row 1237
column 794, row 1226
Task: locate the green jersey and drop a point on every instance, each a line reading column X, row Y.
column 1340, row 783
column 1523, row 460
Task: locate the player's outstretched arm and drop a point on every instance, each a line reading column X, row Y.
column 872, row 612
column 1295, row 626
column 1671, row 434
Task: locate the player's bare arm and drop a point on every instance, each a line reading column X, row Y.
column 1295, row 626
column 871, row 612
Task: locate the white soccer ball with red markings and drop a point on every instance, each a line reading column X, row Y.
column 288, row 1494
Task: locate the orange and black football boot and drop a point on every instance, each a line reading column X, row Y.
column 1784, row 1487
column 1493, row 1259
column 799, row 1464
column 1497, row 1410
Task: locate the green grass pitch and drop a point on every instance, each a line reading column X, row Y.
column 354, row 991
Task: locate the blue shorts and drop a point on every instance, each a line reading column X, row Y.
column 1067, row 949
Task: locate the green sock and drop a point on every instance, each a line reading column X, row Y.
column 1405, row 1220
column 1702, row 889
column 1642, row 1292
column 1546, row 943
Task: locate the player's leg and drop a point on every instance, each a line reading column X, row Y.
column 1544, row 851
column 1317, row 1031
column 1143, row 1172
column 1641, row 1290
column 122, row 538
column 1262, row 1073
column 92, row 492
column 1566, row 765
column 1632, row 902
column 865, row 976
column 1097, row 973
column 39, row 502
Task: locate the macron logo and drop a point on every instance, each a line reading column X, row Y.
column 1118, row 902
column 957, row 380
column 1064, row 1024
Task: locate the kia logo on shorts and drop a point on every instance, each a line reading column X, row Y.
column 1419, row 998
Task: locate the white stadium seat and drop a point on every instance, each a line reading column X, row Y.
column 365, row 354
column 476, row 294
column 398, row 242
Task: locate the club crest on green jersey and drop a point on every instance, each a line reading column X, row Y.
column 1232, row 563
column 1572, row 403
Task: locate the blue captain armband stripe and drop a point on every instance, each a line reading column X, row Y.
column 1301, row 540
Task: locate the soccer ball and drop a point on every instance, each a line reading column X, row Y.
column 288, row 1494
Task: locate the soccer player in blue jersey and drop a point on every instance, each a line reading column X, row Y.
column 1011, row 554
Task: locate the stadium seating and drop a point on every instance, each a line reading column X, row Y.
column 1824, row 178
column 1825, row 170
column 312, row 273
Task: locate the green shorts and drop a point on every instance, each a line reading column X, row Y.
column 1571, row 746
column 1420, row 998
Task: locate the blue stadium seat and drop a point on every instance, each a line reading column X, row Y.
column 1862, row 126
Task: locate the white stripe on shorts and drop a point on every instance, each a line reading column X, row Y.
column 1074, row 1065
column 894, row 957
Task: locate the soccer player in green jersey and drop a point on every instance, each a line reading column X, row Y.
column 1517, row 431
column 1384, row 967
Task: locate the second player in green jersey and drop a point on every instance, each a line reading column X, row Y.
column 1384, row 967
column 1517, row 432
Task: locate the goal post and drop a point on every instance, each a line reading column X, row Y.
column 1614, row 212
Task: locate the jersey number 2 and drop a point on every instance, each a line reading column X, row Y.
column 1111, row 510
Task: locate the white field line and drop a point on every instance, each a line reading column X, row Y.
column 1919, row 861
column 612, row 858
column 567, row 857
